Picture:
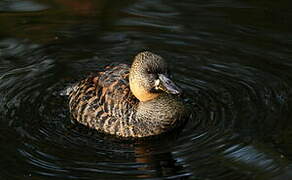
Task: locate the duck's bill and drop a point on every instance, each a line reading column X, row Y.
column 167, row 85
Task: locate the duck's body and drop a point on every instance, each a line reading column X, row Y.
column 111, row 104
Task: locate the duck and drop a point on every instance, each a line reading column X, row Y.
column 127, row 101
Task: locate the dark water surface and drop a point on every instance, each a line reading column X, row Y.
column 232, row 58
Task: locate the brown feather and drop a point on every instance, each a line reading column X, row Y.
column 105, row 102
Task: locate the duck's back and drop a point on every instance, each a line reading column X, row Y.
column 104, row 101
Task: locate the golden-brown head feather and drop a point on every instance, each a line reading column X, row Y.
column 143, row 75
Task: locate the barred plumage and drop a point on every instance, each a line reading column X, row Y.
column 106, row 102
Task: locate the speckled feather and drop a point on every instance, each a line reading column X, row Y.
column 105, row 102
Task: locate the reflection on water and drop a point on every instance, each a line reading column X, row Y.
column 20, row 6
column 232, row 59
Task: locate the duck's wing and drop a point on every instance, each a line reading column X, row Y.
column 100, row 101
column 115, row 95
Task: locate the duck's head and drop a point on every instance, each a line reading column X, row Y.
column 149, row 77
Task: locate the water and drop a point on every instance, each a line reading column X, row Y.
column 232, row 58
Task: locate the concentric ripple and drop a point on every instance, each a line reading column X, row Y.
column 236, row 75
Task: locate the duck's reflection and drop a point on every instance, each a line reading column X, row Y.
column 158, row 165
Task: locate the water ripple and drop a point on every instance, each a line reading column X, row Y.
column 21, row 6
column 235, row 75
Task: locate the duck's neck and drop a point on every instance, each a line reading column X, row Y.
column 141, row 94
